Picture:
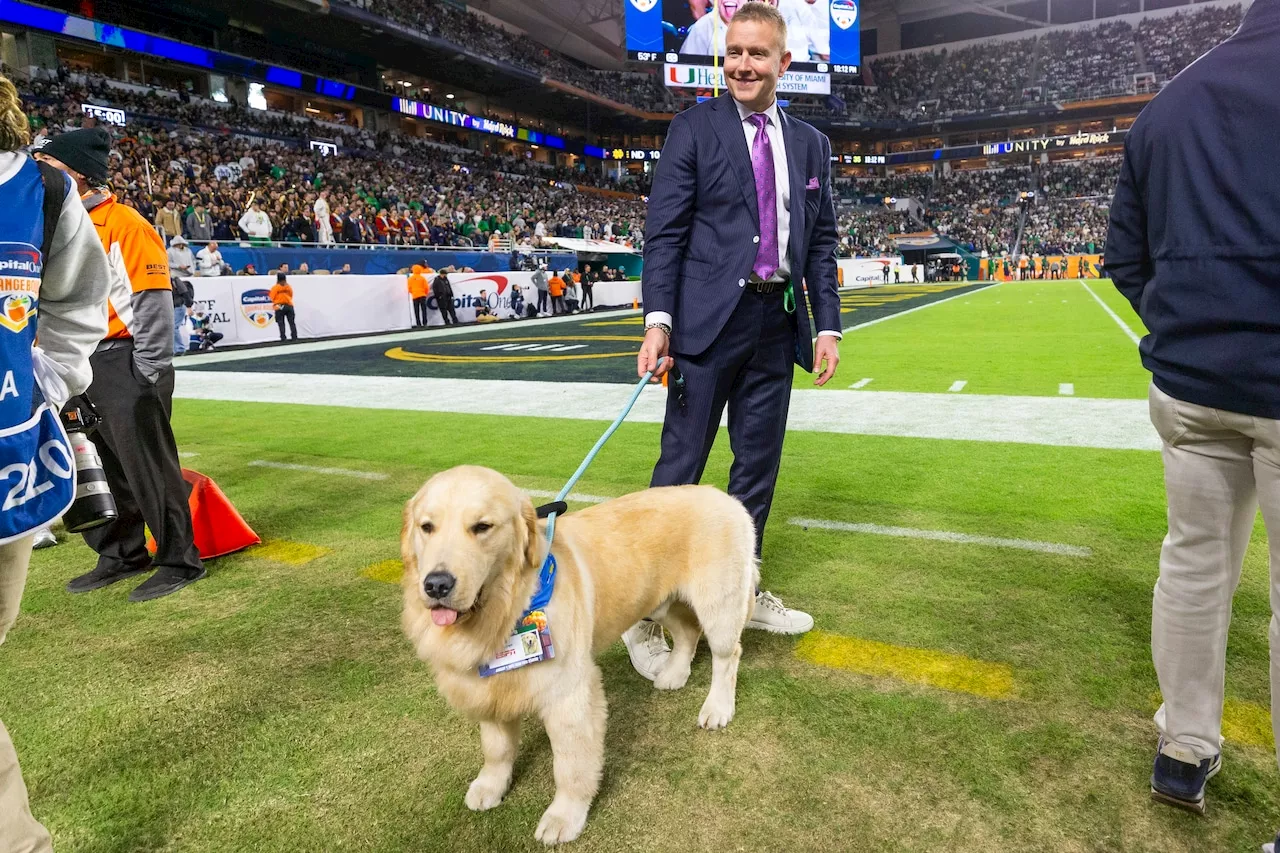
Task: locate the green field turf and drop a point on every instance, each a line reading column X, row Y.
column 276, row 706
column 1020, row 338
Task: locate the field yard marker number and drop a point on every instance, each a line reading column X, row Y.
column 1133, row 336
column 1066, row 389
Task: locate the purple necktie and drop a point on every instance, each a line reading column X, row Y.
column 766, row 198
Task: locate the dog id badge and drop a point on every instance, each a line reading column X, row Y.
column 529, row 644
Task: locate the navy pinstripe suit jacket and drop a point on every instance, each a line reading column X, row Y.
column 702, row 216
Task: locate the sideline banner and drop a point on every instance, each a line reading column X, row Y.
column 868, row 272
column 240, row 306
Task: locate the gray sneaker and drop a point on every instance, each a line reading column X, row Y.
column 647, row 646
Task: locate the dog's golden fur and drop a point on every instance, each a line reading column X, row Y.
column 683, row 556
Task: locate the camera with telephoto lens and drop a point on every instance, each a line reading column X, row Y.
column 93, row 506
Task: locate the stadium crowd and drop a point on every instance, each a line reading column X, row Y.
column 1060, row 65
column 383, row 188
column 454, row 24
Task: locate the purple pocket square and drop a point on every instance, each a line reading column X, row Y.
column 812, row 185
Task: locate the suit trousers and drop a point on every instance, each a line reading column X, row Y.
column 1219, row 466
column 140, row 458
column 749, row 368
column 19, row 831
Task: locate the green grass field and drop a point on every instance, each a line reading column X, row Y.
column 960, row 696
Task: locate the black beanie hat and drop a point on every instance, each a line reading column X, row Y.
column 86, row 151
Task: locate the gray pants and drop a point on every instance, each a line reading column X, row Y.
column 1219, row 468
column 19, row 831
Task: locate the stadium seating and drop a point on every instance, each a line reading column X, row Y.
column 641, row 90
column 463, row 195
column 1092, row 62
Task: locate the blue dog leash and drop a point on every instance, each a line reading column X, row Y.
column 577, row 475
column 531, row 641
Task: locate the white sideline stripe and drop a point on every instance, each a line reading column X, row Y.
column 340, row 472
column 945, row 536
column 1066, row 389
column 572, row 498
column 1113, row 424
column 958, row 385
column 918, row 308
column 1133, row 336
column 861, row 383
column 187, row 454
column 391, row 337
column 567, row 347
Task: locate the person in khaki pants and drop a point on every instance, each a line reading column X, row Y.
column 56, row 265
column 1194, row 245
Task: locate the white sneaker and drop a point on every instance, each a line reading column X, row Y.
column 770, row 615
column 647, row 646
column 44, row 538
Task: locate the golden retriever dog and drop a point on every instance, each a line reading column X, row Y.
column 473, row 548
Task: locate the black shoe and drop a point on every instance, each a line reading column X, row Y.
column 165, row 581
column 105, row 574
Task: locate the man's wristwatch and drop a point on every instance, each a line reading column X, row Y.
column 666, row 330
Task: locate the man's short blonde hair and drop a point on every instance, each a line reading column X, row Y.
column 763, row 12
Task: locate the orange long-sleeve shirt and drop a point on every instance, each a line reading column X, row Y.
column 281, row 294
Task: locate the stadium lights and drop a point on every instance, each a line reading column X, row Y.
column 449, row 96
column 405, row 83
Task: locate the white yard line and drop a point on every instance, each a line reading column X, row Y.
column 1133, row 336
column 1066, row 389
column 574, row 497
column 918, row 308
column 861, row 383
column 958, row 385
column 337, row 472
column 944, row 536
column 388, row 338
column 1055, row 421
column 187, row 454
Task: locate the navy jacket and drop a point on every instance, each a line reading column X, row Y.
column 698, row 243
column 1194, row 242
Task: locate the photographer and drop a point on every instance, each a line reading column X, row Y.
column 71, row 287
column 133, row 390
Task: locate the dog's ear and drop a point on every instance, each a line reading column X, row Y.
column 408, row 555
column 533, row 539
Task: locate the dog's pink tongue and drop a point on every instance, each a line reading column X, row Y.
column 443, row 616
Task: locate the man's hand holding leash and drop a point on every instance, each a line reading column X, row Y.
column 654, row 353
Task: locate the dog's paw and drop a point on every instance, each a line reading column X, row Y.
column 484, row 794
column 561, row 822
column 715, row 715
column 671, row 678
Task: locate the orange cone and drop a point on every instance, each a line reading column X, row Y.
column 635, row 304
column 218, row 528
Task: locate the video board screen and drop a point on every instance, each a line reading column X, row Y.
column 822, row 35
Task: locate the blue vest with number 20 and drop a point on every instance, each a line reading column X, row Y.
column 37, row 468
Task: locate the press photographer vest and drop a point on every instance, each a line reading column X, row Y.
column 37, row 469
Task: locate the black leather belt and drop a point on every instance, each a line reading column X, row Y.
column 767, row 286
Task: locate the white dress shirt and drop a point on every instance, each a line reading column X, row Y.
column 782, row 194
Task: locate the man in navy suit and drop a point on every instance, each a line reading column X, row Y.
column 740, row 225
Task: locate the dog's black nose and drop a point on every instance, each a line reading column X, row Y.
column 438, row 584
